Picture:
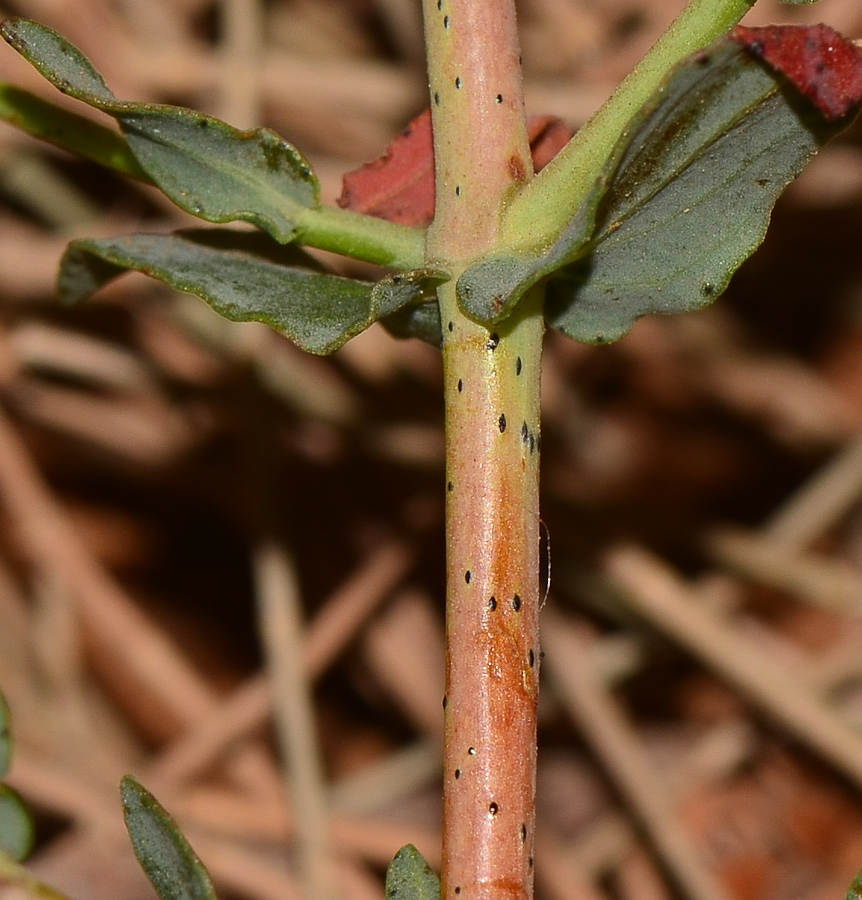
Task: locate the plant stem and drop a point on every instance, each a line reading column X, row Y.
column 492, row 433
column 362, row 237
column 543, row 209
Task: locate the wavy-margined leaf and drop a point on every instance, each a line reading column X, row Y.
column 693, row 192
column 490, row 289
column 244, row 276
column 16, row 824
column 165, row 855
column 204, row 165
column 409, row 877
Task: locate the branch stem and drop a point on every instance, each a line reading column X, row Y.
column 491, row 389
column 543, row 208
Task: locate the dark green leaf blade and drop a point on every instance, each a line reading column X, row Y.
column 68, row 131
column 206, row 166
column 16, row 824
column 57, row 60
column 165, row 855
column 243, row 275
column 692, row 195
column 409, row 877
column 490, row 289
column 219, row 173
column 408, row 306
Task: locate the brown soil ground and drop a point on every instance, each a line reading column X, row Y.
column 163, row 473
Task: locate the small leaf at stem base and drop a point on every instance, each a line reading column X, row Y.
column 409, row 877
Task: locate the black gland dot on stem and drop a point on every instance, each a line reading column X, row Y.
column 451, row 326
column 445, row 701
column 471, row 751
column 457, row 774
column 501, row 422
column 460, row 385
column 493, row 341
column 498, row 98
column 436, row 98
column 440, row 4
column 458, row 83
column 445, row 21
column 457, row 190
column 531, row 658
column 450, row 486
column 493, row 808
column 492, row 604
column 468, row 576
column 523, row 833
column 516, row 602
column 457, row 888
column 518, row 366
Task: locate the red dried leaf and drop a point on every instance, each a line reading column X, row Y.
column 400, row 185
column 548, row 135
column 820, row 62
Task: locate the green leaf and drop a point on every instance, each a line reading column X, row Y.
column 243, row 275
column 489, row 290
column 68, row 131
column 692, row 195
column 409, row 877
column 219, row 173
column 408, row 303
column 57, row 60
column 420, row 321
column 16, row 824
column 206, row 166
column 5, row 737
column 165, row 855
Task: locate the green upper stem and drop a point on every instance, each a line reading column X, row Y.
column 543, row 208
column 491, row 385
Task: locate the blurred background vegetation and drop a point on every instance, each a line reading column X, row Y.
column 164, row 475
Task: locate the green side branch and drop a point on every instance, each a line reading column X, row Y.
column 543, row 208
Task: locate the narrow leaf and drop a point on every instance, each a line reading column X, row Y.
column 5, row 737
column 206, row 166
column 243, row 275
column 409, row 877
column 16, row 824
column 68, row 131
column 219, row 173
column 693, row 192
column 165, row 855
column 57, row 60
